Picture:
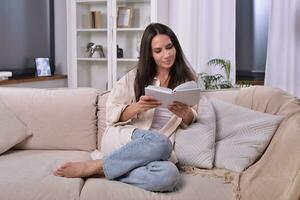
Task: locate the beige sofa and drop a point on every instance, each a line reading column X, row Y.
column 67, row 124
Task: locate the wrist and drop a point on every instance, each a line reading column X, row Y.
column 129, row 112
column 135, row 108
column 188, row 116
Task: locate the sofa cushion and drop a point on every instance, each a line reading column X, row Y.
column 101, row 117
column 268, row 99
column 58, row 118
column 227, row 95
column 28, row 175
column 193, row 187
column 12, row 129
column 195, row 145
column 242, row 135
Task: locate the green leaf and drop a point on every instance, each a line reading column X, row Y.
column 223, row 63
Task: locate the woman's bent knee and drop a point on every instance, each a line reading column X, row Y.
column 155, row 144
column 162, row 146
column 167, row 179
column 171, row 178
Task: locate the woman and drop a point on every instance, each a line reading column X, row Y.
column 138, row 141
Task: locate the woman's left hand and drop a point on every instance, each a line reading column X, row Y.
column 182, row 110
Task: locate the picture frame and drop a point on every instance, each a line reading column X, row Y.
column 124, row 17
column 42, row 67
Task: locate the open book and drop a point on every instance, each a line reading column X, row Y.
column 187, row 93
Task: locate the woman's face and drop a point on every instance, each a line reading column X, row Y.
column 163, row 51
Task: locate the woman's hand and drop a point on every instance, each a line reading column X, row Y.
column 183, row 111
column 145, row 103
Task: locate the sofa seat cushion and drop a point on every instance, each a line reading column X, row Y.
column 60, row 119
column 28, row 175
column 193, row 187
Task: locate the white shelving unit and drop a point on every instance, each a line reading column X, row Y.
column 102, row 73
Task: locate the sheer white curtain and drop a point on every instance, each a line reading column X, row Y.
column 206, row 30
column 283, row 54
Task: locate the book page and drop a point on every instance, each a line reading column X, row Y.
column 189, row 96
column 187, row 93
column 159, row 89
column 161, row 95
column 186, row 85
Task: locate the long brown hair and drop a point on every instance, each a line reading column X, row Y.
column 146, row 67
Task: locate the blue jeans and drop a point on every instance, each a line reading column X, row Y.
column 143, row 162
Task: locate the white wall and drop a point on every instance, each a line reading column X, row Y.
column 60, row 21
column 163, row 11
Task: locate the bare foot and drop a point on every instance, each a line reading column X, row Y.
column 80, row 169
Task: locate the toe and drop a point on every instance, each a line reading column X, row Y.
column 62, row 167
column 56, row 173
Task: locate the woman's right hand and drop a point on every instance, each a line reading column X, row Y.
column 146, row 102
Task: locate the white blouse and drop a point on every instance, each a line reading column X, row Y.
column 160, row 118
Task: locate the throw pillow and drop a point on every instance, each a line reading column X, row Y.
column 12, row 129
column 242, row 135
column 195, row 145
column 101, row 114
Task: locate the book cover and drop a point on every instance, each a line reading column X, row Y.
column 92, row 19
column 97, row 21
column 187, row 93
column 5, row 74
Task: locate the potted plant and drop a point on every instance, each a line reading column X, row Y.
column 217, row 81
column 224, row 64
